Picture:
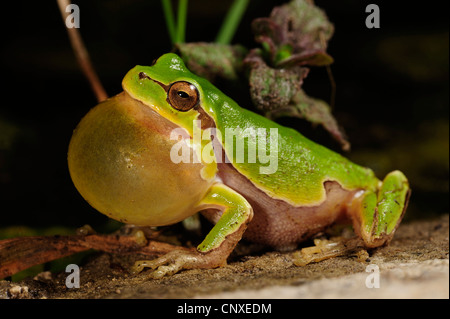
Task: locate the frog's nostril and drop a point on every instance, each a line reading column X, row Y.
column 142, row 75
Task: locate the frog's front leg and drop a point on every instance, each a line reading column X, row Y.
column 376, row 215
column 218, row 244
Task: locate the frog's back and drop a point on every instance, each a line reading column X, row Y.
column 302, row 166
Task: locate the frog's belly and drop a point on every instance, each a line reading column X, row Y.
column 277, row 223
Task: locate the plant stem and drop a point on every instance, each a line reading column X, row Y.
column 181, row 21
column 170, row 21
column 82, row 55
column 231, row 21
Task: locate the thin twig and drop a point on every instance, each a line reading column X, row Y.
column 82, row 55
column 323, row 43
column 333, row 87
column 17, row 254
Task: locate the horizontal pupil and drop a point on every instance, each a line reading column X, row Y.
column 183, row 94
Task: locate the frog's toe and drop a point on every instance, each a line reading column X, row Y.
column 140, row 265
column 326, row 249
column 166, row 270
column 175, row 261
column 376, row 215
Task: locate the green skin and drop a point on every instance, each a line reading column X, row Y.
column 303, row 167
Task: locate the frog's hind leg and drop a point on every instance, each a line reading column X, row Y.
column 376, row 215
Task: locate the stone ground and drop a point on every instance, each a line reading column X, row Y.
column 414, row 265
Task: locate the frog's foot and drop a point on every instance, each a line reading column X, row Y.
column 376, row 216
column 325, row 249
column 214, row 250
column 177, row 260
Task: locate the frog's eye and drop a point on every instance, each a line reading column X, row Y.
column 182, row 96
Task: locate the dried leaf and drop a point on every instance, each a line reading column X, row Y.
column 300, row 26
column 315, row 111
column 318, row 58
column 211, row 60
column 272, row 88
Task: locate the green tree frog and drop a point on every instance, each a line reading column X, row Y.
column 172, row 144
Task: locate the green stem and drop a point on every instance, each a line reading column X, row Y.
column 181, row 21
column 231, row 21
column 170, row 21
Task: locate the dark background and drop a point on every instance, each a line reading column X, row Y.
column 392, row 92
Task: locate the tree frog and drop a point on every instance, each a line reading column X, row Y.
column 161, row 151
